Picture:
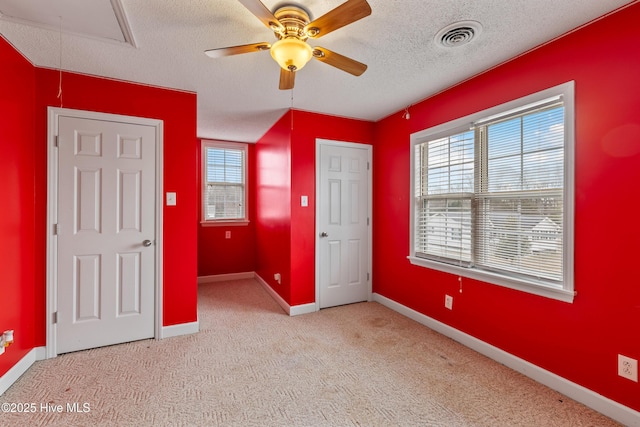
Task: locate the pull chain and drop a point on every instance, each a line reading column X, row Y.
column 291, row 108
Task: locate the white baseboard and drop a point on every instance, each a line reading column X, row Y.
column 297, row 310
column 612, row 409
column 225, row 277
column 281, row 302
column 16, row 371
column 181, row 329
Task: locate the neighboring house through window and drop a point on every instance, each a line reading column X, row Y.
column 224, row 177
column 493, row 195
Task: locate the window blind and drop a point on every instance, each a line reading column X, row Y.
column 491, row 197
column 520, row 193
column 224, row 192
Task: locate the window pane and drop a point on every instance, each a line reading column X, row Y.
column 544, row 130
column 449, row 164
column 522, row 236
column 225, row 202
column 224, row 195
column 444, row 229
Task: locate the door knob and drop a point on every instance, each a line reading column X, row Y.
column 324, row 234
column 146, row 243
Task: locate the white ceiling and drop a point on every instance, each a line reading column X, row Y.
column 162, row 42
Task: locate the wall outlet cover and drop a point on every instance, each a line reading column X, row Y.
column 628, row 368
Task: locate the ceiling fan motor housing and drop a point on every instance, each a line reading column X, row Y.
column 293, row 19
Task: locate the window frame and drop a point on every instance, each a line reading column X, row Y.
column 526, row 284
column 238, row 146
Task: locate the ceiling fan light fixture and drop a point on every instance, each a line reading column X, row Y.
column 291, row 53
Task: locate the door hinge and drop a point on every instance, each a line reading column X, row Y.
column 55, row 229
column 55, row 141
column 368, row 165
column 54, row 317
column 367, row 277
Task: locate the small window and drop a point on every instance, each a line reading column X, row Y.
column 224, row 176
column 493, row 195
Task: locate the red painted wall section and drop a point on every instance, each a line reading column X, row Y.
column 17, row 216
column 285, row 171
column 178, row 111
column 578, row 341
column 307, row 127
column 219, row 255
column 273, row 206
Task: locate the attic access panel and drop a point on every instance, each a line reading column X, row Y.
column 99, row 19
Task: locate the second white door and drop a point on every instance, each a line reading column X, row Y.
column 343, row 223
column 106, row 231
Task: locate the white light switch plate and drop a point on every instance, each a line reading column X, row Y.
column 304, row 201
column 171, row 199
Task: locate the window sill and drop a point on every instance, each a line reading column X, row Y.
column 497, row 279
column 224, row 223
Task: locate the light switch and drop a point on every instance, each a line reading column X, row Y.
column 304, row 201
column 171, row 199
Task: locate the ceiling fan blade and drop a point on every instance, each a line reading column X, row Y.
column 342, row 62
column 236, row 50
column 348, row 12
column 260, row 10
column 287, row 79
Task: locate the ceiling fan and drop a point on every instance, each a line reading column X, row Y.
column 292, row 26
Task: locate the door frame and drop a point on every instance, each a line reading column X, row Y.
column 54, row 113
column 354, row 145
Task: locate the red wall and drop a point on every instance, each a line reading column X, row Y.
column 307, row 127
column 273, row 206
column 216, row 253
column 17, row 217
column 578, row 341
column 178, row 112
column 27, row 93
column 286, row 161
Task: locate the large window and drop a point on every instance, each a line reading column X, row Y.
column 224, row 198
column 493, row 195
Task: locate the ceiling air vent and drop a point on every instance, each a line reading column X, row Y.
column 458, row 34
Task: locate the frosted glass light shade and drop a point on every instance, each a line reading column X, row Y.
column 291, row 54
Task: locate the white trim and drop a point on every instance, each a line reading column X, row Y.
column 354, row 145
column 281, row 302
column 225, row 277
column 496, row 279
column 22, row 366
column 52, row 201
column 224, row 145
column 180, row 329
column 590, row 398
column 297, row 310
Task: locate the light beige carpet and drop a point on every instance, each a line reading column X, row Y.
column 252, row 365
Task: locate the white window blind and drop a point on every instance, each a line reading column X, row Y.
column 490, row 196
column 445, row 194
column 224, row 172
column 520, row 194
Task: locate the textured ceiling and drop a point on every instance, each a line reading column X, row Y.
column 238, row 96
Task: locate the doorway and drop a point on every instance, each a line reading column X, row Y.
column 343, row 223
column 104, row 221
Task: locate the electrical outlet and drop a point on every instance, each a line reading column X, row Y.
column 278, row 278
column 227, row 234
column 448, row 302
column 628, row 368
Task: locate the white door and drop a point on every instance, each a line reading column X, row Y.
column 105, row 233
column 343, row 223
